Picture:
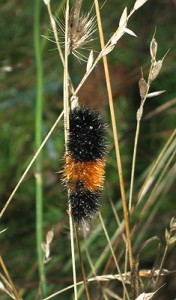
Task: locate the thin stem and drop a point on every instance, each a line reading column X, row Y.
column 38, row 140
column 81, row 264
column 102, row 278
column 66, row 94
column 115, row 134
column 53, row 24
column 117, row 219
column 139, row 117
column 66, row 130
column 73, row 254
column 162, row 262
column 134, row 163
column 57, row 13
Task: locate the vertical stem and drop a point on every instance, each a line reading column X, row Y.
column 81, row 264
column 134, row 163
column 38, row 140
column 66, row 82
column 115, row 134
column 139, row 117
column 66, row 129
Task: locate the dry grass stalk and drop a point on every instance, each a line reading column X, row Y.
column 144, row 87
column 66, row 128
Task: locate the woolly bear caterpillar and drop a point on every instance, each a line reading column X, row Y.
column 83, row 172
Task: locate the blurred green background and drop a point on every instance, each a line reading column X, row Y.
column 17, row 117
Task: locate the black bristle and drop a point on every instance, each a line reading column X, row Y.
column 87, row 135
column 84, row 204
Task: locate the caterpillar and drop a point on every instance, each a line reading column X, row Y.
column 83, row 172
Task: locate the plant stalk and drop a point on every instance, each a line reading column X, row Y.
column 38, row 141
column 66, row 130
column 81, row 263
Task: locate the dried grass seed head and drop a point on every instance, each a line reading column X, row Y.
column 80, row 31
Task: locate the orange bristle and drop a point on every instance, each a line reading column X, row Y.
column 91, row 174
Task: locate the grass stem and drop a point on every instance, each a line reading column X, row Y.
column 81, row 264
column 66, row 130
column 38, row 140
